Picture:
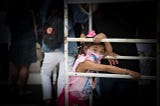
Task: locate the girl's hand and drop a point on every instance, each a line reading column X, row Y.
column 133, row 74
column 99, row 37
column 112, row 61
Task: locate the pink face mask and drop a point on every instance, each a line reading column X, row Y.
column 95, row 56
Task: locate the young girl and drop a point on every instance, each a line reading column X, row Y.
column 88, row 61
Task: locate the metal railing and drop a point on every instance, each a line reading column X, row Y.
column 67, row 39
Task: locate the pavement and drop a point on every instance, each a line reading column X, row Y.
column 147, row 96
column 10, row 99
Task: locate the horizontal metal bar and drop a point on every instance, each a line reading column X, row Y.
column 108, row 75
column 103, row 1
column 114, row 40
column 130, row 57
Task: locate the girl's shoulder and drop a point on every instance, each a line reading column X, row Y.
column 81, row 58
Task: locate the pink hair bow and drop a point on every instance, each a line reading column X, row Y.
column 91, row 34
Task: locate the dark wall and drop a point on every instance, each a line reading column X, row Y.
column 139, row 16
column 7, row 4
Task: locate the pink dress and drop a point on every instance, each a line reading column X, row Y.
column 80, row 88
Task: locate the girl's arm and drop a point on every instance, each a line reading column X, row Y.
column 88, row 65
column 98, row 38
column 108, row 46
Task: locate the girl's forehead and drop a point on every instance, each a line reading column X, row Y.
column 97, row 46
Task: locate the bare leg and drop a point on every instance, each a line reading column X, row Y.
column 23, row 78
column 13, row 77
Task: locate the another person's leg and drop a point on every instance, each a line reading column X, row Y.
column 13, row 78
column 23, row 79
column 49, row 63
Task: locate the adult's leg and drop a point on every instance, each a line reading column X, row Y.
column 50, row 61
column 13, row 77
column 23, row 78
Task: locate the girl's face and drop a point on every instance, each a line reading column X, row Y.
column 97, row 49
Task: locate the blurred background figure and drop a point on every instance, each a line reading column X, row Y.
column 4, row 41
column 22, row 51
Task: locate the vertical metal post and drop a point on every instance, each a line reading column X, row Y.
column 66, row 50
column 90, row 17
column 158, row 53
column 158, row 70
column 90, row 28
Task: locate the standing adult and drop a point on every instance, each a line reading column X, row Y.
column 4, row 43
column 53, row 55
column 22, row 52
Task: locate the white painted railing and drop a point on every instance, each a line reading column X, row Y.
column 67, row 39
